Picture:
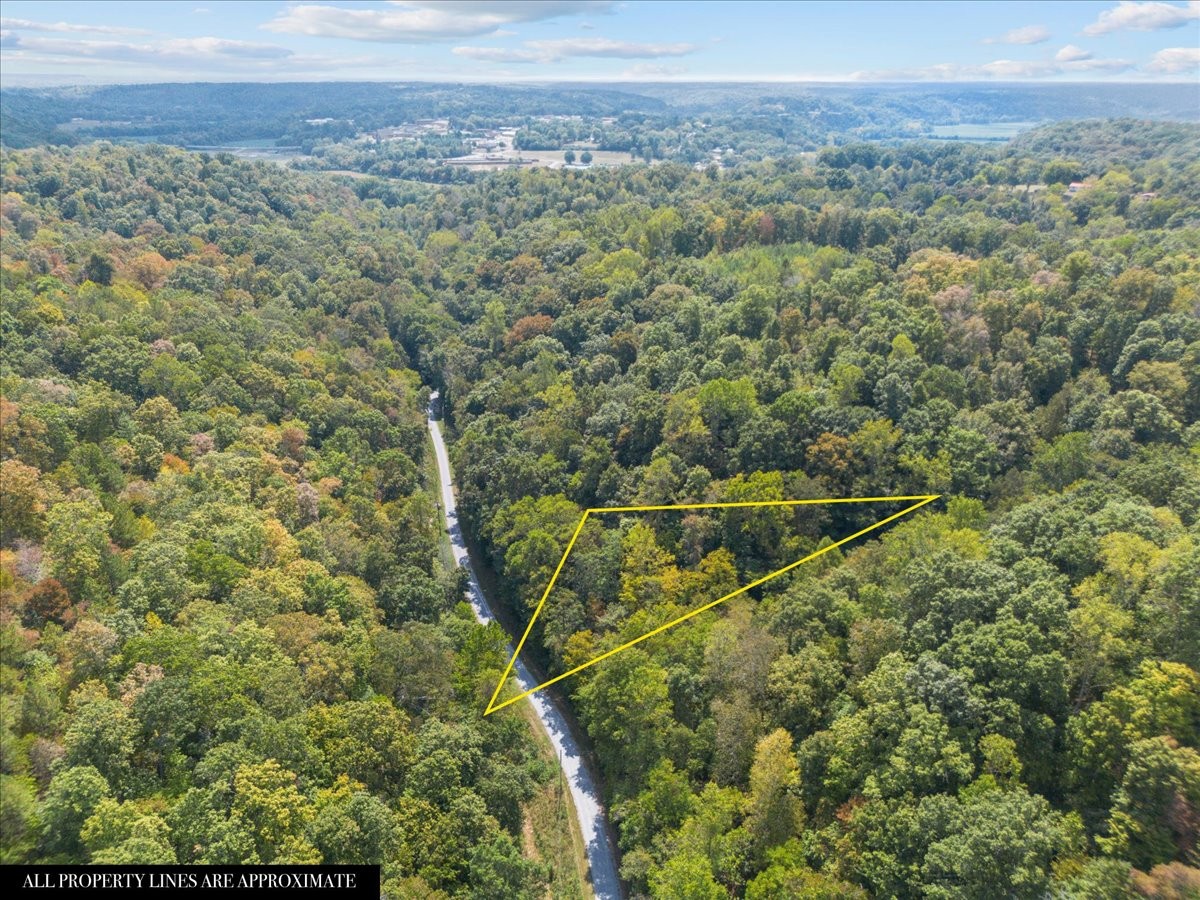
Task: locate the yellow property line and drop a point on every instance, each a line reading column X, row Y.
column 493, row 706
column 746, row 503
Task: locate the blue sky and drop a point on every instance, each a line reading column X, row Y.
column 598, row 40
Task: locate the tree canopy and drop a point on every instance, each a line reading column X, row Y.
column 228, row 634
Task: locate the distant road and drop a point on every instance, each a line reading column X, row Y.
column 601, row 857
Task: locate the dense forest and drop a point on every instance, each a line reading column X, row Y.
column 228, row 633
column 999, row 698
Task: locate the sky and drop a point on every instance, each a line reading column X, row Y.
column 597, row 40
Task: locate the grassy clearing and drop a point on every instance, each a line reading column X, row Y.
column 552, row 828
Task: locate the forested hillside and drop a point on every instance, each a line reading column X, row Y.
column 999, row 698
column 227, row 634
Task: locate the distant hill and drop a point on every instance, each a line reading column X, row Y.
column 215, row 113
column 801, row 115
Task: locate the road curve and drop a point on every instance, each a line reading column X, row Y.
column 601, row 857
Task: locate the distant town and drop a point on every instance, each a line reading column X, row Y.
column 499, row 147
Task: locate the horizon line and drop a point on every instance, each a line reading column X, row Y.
column 59, row 81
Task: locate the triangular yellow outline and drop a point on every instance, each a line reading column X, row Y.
column 493, row 706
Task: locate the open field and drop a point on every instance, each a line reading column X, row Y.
column 537, row 159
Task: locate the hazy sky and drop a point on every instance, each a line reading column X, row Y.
column 458, row 40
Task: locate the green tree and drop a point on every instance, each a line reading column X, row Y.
column 1002, row 841
column 73, row 796
column 660, row 808
column 774, row 813
column 626, row 710
column 22, row 502
column 788, row 875
column 1157, row 807
column 18, row 819
column 726, row 406
column 686, row 877
column 368, row 741
column 267, row 797
column 100, row 735
column 77, row 542
column 121, row 834
column 359, row 830
column 497, row 869
column 99, row 269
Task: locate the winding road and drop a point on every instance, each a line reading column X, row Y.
column 588, row 809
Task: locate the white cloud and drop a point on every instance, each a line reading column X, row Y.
column 1133, row 16
column 1175, row 61
column 499, row 54
column 203, row 56
column 558, row 49
column 68, row 27
column 999, row 70
column 937, row 72
column 1030, row 34
column 515, row 10
column 182, row 49
column 598, row 46
column 1098, row 65
column 423, row 21
column 653, row 70
column 1071, row 53
column 1006, row 69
